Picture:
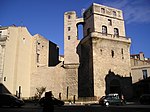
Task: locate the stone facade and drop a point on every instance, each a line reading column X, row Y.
column 140, row 67
column 102, row 51
column 90, row 67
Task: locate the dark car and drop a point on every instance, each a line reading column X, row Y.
column 145, row 99
column 10, row 100
column 110, row 99
column 55, row 101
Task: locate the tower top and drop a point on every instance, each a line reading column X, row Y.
column 103, row 10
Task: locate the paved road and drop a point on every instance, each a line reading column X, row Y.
column 81, row 108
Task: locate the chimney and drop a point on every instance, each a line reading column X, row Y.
column 142, row 56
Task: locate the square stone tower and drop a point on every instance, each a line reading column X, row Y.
column 104, row 48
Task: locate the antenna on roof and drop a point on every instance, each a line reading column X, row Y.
column 21, row 22
column 82, row 11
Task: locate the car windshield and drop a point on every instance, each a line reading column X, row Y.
column 112, row 97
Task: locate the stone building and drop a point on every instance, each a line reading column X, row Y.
column 96, row 65
column 140, row 68
column 104, row 47
column 21, row 54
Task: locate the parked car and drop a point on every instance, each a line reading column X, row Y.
column 10, row 100
column 56, row 102
column 145, row 99
column 110, row 99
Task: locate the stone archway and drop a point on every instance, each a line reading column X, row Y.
column 115, row 86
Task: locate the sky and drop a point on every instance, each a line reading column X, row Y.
column 45, row 17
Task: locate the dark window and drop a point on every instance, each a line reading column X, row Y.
column 112, row 53
column 109, row 22
column 0, row 33
column 114, row 13
column 104, row 29
column 116, row 32
column 102, row 10
column 4, row 78
column 122, row 53
column 38, row 58
column 101, row 51
column 144, row 74
column 69, row 28
column 88, row 31
column 68, row 37
column 69, row 17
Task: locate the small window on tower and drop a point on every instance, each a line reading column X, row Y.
column 101, row 51
column 69, row 17
column 114, row 13
column 68, row 37
column 102, row 10
column 116, row 32
column 88, row 31
column 104, row 30
column 0, row 33
column 69, row 28
column 112, row 53
column 122, row 53
column 38, row 58
column 109, row 22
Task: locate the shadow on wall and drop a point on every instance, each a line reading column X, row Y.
column 118, row 84
column 141, row 87
column 3, row 89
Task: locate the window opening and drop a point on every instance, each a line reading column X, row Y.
column 144, row 74
column 109, row 22
column 122, row 53
column 69, row 28
column 101, row 51
column 38, row 58
column 114, row 13
column 116, row 32
column 102, row 10
column 69, row 17
column 112, row 53
column 104, row 30
column 68, row 37
column 88, row 31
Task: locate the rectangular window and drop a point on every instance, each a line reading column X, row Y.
column 69, row 28
column 0, row 33
column 114, row 13
column 38, row 58
column 109, row 22
column 102, row 10
column 69, row 17
column 144, row 74
column 68, row 37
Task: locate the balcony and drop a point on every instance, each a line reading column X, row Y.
column 110, row 37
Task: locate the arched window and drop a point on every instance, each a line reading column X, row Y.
column 88, row 31
column 69, row 17
column 114, row 13
column 102, row 10
column 112, row 53
column 104, row 30
column 116, row 32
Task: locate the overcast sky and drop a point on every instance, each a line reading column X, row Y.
column 45, row 17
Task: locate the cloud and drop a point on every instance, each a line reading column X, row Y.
column 137, row 11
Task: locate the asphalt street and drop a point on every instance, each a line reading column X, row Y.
column 80, row 108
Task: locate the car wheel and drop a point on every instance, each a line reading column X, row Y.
column 107, row 104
